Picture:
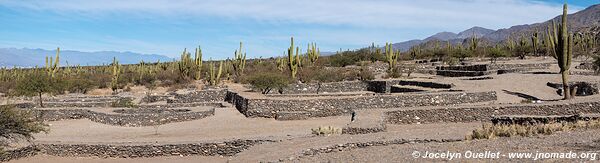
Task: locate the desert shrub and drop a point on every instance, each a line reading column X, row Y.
column 78, row 85
column 489, row 131
column 326, row 131
column 495, row 53
column 461, row 54
column 345, row 58
column 18, row 125
column 36, row 84
column 268, row 81
column 365, row 73
column 124, row 103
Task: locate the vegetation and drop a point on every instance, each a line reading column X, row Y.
column 489, row 131
column 16, row 125
column 36, row 85
column 265, row 82
column 326, row 131
column 561, row 45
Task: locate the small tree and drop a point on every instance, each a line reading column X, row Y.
column 268, row 81
column 496, row 52
column 17, row 125
column 37, row 84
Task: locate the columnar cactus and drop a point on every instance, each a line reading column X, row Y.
column 293, row 59
column 198, row 63
column 52, row 67
column 391, row 56
column 313, row 53
column 474, row 43
column 415, row 51
column 215, row 75
column 185, row 64
column 239, row 61
column 561, row 44
column 116, row 73
column 535, row 43
column 280, row 63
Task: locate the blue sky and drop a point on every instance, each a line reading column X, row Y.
column 265, row 26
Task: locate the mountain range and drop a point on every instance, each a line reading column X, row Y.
column 584, row 20
column 37, row 57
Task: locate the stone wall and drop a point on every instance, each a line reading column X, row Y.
column 334, row 87
column 485, row 113
column 133, row 120
column 212, row 95
column 322, row 107
column 151, row 150
column 18, row 153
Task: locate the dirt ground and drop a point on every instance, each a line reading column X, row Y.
column 294, row 137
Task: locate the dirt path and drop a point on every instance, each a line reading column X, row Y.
column 226, row 124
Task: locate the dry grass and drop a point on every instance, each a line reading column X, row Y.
column 326, row 131
column 489, row 131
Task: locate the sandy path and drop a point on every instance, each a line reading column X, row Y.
column 226, row 124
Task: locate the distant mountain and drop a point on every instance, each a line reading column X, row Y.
column 444, row 36
column 584, row 20
column 31, row 57
column 475, row 31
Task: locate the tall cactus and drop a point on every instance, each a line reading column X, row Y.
column 561, row 44
column 474, row 43
column 313, row 53
column 185, row 64
column 198, row 63
column 391, row 56
column 116, row 73
column 293, row 59
column 535, row 43
column 52, row 67
column 215, row 75
column 239, row 61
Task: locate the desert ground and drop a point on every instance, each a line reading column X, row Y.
column 79, row 137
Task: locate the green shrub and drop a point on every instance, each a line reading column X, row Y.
column 18, row 125
column 36, row 84
column 124, row 103
column 495, row 53
column 265, row 82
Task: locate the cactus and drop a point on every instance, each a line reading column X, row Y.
column 415, row 51
column 510, row 44
column 474, row 43
column 293, row 59
column 391, row 56
column 535, row 43
column 215, row 75
column 198, row 63
column 52, row 67
column 561, row 44
column 116, row 73
column 280, row 64
column 239, row 61
column 313, row 53
column 185, row 64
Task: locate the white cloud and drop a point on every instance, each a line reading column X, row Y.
column 452, row 14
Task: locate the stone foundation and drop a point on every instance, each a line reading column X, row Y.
column 131, row 120
column 323, row 107
column 486, row 113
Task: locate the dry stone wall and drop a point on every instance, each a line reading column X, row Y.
column 486, row 113
column 322, row 107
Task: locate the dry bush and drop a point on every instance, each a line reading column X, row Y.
column 326, row 131
column 17, row 125
column 489, row 131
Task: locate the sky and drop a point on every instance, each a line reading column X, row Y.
column 264, row 26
